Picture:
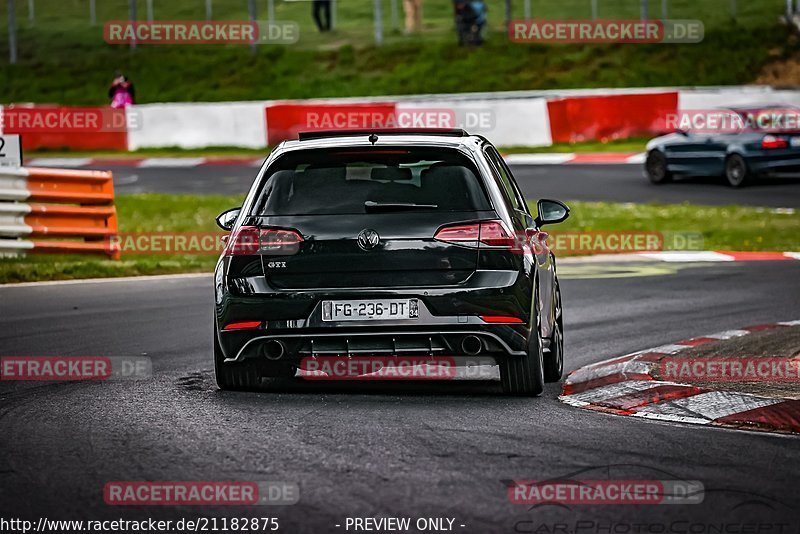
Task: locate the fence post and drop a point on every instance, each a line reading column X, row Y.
column 271, row 10
column 209, row 10
column 251, row 9
column 149, row 10
column 644, row 9
column 12, row 33
column 92, row 13
column 132, row 18
column 594, row 9
column 393, row 14
column 31, row 12
column 376, row 8
column 333, row 14
column 527, row 9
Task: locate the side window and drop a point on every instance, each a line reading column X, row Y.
column 512, row 194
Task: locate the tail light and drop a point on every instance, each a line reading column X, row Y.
column 243, row 325
column 771, row 141
column 248, row 240
column 501, row 319
column 489, row 233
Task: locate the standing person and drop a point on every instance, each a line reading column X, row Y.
column 479, row 11
column 322, row 15
column 470, row 18
column 413, row 11
column 463, row 16
column 121, row 92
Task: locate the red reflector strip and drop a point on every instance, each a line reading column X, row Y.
column 501, row 319
column 244, row 325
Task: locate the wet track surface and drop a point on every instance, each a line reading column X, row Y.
column 613, row 183
column 409, row 450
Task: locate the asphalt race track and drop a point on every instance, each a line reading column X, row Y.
column 613, row 183
column 431, row 450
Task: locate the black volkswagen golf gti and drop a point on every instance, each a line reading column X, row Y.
column 382, row 244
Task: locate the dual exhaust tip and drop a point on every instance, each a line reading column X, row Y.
column 274, row 350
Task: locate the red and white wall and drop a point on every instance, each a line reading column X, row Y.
column 522, row 118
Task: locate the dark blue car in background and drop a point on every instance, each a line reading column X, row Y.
column 738, row 144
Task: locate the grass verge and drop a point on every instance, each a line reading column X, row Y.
column 722, row 228
column 346, row 62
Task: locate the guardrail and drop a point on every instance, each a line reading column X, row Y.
column 79, row 216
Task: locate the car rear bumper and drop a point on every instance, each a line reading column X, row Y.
column 447, row 317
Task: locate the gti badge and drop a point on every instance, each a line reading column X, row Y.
column 368, row 239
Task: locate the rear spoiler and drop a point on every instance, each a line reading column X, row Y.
column 321, row 134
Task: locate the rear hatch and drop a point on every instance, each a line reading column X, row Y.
column 368, row 218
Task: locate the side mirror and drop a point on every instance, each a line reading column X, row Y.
column 551, row 212
column 227, row 219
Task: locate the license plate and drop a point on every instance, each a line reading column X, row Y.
column 369, row 310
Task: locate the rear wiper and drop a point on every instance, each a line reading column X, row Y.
column 397, row 206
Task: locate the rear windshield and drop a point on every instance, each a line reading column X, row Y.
column 327, row 182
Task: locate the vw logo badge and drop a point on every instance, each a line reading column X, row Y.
column 368, row 239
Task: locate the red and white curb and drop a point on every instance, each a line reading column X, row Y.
column 626, row 386
column 161, row 163
column 598, row 158
column 700, row 256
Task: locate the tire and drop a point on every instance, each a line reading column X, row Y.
column 242, row 376
column 523, row 376
column 655, row 167
column 737, row 173
column 554, row 361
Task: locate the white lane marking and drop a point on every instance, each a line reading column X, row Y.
column 727, row 334
column 126, row 180
column 665, row 349
column 610, row 391
column 68, row 163
column 609, row 362
column 585, row 375
column 790, row 323
column 171, row 162
column 567, row 399
column 681, row 256
column 110, row 280
column 793, row 255
column 705, row 407
column 637, row 158
column 538, row 159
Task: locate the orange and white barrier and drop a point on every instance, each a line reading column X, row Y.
column 79, row 216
